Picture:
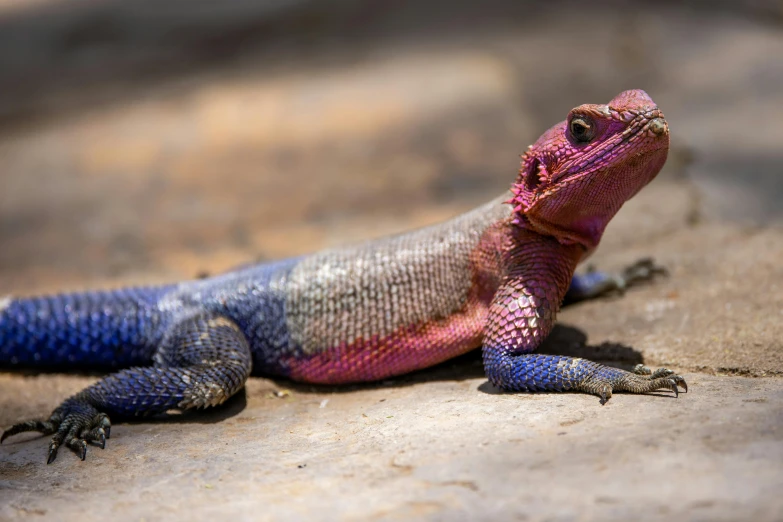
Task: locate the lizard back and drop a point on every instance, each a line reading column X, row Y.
column 404, row 302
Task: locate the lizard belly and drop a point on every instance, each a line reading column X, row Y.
column 408, row 348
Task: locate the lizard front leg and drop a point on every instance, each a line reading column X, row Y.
column 203, row 361
column 522, row 314
column 593, row 283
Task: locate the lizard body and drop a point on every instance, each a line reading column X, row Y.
column 494, row 277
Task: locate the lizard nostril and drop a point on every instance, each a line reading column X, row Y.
column 658, row 126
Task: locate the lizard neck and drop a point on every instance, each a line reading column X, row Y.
column 535, row 256
column 509, row 250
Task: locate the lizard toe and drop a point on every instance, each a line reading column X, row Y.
column 44, row 427
column 661, row 372
column 641, row 369
column 95, row 436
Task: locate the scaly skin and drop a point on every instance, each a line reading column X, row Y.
column 494, row 277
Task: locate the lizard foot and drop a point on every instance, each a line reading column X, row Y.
column 593, row 283
column 642, row 380
column 641, row 271
column 75, row 423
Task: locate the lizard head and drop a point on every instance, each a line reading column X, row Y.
column 575, row 178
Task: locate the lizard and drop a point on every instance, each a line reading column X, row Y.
column 494, row 277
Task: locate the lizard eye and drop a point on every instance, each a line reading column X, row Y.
column 581, row 129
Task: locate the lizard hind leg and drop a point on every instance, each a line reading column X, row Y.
column 203, row 360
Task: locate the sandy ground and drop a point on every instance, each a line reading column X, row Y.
column 130, row 160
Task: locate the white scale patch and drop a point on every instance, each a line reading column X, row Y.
column 5, row 302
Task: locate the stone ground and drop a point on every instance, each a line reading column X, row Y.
column 142, row 144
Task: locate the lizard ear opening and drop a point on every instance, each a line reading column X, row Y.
column 533, row 176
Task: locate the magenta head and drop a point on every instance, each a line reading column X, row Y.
column 578, row 174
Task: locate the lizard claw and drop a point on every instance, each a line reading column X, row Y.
column 52, row 452
column 606, row 394
column 673, row 387
column 679, row 381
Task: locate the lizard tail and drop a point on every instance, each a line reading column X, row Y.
column 107, row 329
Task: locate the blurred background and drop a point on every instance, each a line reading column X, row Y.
column 147, row 141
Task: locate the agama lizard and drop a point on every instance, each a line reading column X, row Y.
column 494, row 277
